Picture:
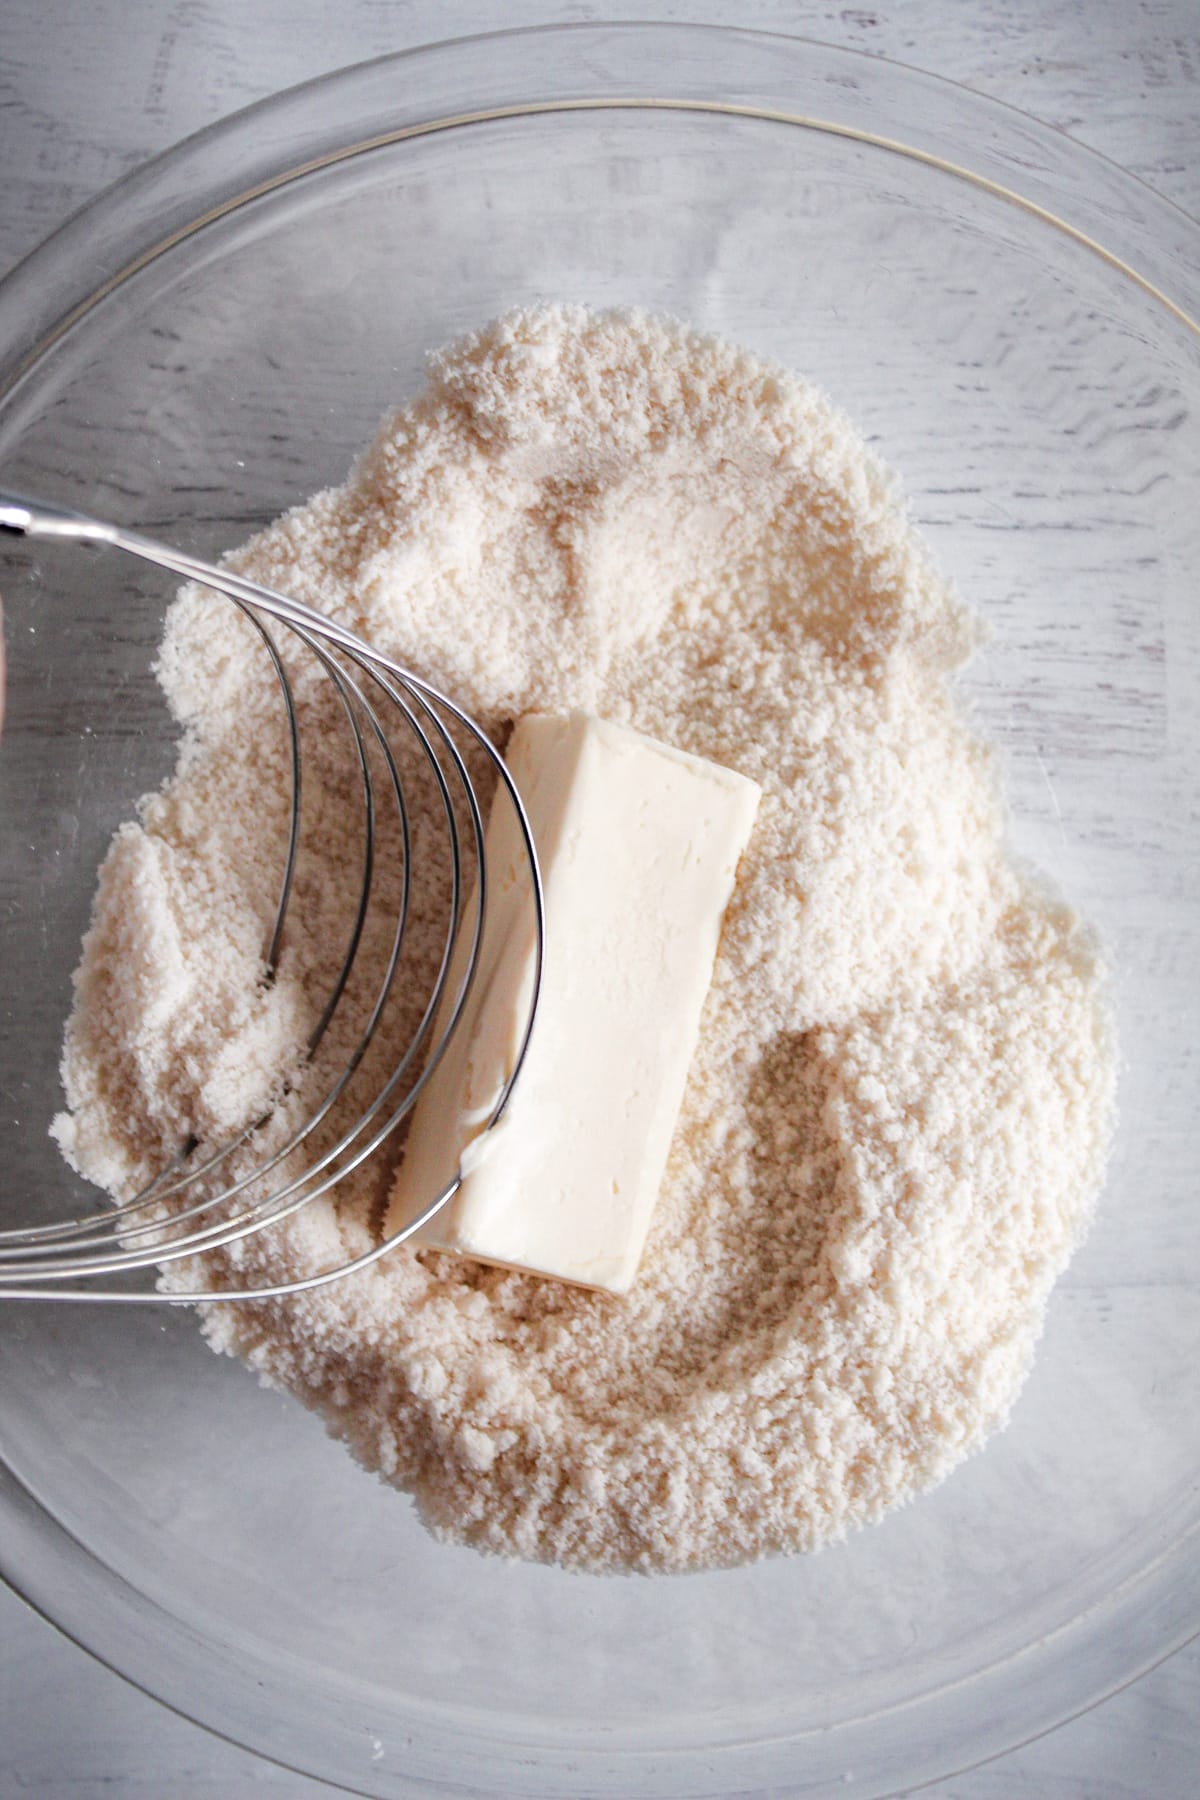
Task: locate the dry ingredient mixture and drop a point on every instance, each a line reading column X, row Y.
column 900, row 1107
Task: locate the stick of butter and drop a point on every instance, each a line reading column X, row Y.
column 638, row 845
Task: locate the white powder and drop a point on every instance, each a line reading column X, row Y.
column 899, row 1110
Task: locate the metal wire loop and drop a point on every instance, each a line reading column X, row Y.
column 196, row 1204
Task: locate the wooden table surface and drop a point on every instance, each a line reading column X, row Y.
column 86, row 94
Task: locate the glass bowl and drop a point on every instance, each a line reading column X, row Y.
column 1007, row 319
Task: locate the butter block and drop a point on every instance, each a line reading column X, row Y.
column 639, row 845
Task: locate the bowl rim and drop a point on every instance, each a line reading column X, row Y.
column 443, row 86
column 1133, row 243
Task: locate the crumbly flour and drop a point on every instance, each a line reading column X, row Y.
column 900, row 1106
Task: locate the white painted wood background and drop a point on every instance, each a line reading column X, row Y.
column 88, row 89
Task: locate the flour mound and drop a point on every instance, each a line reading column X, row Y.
column 899, row 1110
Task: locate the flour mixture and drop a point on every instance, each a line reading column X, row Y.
column 899, row 1110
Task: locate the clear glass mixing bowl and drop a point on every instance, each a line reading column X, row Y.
column 1005, row 316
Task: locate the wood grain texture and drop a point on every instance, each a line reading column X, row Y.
column 86, row 94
